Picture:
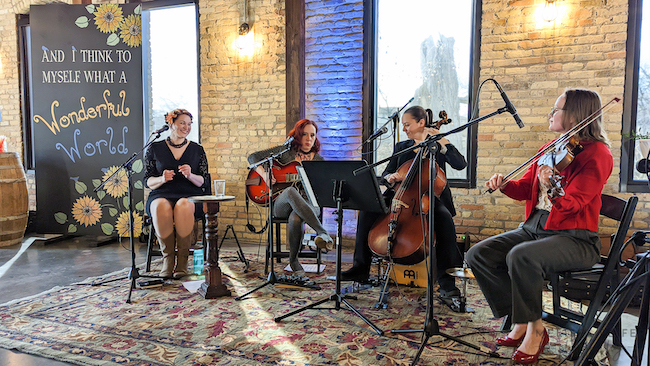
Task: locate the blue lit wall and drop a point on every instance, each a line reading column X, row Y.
column 333, row 83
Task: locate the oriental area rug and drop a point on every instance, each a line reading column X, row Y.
column 93, row 325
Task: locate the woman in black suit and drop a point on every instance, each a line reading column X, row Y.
column 417, row 123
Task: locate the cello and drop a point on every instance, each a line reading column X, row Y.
column 402, row 234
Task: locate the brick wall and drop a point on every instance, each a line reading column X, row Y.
column 243, row 98
column 534, row 62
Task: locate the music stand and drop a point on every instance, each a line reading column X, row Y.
column 335, row 185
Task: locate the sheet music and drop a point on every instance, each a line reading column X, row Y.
column 307, row 186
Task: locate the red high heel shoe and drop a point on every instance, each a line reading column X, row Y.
column 526, row 359
column 510, row 342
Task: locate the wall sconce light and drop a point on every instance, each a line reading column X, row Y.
column 550, row 11
column 245, row 42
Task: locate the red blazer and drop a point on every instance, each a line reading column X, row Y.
column 584, row 180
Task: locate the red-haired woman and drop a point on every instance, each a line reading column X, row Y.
column 176, row 168
column 291, row 204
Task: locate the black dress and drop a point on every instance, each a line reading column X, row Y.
column 159, row 157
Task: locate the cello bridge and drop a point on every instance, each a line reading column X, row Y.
column 398, row 203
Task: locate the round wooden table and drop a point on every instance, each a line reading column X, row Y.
column 213, row 286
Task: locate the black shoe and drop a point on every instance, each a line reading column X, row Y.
column 357, row 274
column 450, row 293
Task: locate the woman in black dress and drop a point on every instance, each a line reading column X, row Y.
column 176, row 168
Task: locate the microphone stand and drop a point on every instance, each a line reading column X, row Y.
column 272, row 278
column 392, row 118
column 431, row 327
column 134, row 274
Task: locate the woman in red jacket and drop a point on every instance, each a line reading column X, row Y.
column 560, row 231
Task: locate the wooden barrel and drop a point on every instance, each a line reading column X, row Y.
column 14, row 202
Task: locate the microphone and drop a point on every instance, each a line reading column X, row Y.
column 376, row 134
column 643, row 166
column 511, row 108
column 288, row 142
column 161, row 129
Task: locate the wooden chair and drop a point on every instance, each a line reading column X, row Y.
column 593, row 284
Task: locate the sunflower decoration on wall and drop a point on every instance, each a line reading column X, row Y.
column 110, row 19
column 118, row 184
column 131, row 30
column 111, row 198
column 122, row 225
column 86, row 211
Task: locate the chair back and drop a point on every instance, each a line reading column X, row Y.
column 622, row 211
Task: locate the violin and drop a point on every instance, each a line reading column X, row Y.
column 402, row 233
column 559, row 160
column 567, row 141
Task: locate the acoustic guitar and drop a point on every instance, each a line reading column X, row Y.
column 285, row 177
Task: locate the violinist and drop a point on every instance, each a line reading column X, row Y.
column 417, row 124
column 560, row 231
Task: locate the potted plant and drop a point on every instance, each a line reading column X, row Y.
column 643, row 142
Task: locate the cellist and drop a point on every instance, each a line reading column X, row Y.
column 417, row 124
column 560, row 232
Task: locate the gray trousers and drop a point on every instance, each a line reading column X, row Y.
column 292, row 206
column 510, row 268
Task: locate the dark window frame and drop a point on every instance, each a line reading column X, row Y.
column 370, row 33
column 22, row 25
column 630, row 99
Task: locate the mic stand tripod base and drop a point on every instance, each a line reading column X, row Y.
column 337, row 297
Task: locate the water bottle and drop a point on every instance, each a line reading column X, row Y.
column 198, row 261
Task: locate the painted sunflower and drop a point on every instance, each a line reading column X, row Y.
column 86, row 211
column 118, row 185
column 131, row 30
column 122, row 224
column 108, row 18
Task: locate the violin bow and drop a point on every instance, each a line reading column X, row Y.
column 560, row 140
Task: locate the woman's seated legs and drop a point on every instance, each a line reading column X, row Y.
column 184, row 223
column 162, row 215
column 290, row 201
column 360, row 270
column 448, row 254
column 294, row 234
column 184, row 217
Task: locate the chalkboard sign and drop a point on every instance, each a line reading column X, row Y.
column 86, row 116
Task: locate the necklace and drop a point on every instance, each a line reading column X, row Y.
column 169, row 141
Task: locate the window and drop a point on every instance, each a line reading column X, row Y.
column 434, row 61
column 636, row 107
column 170, row 63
